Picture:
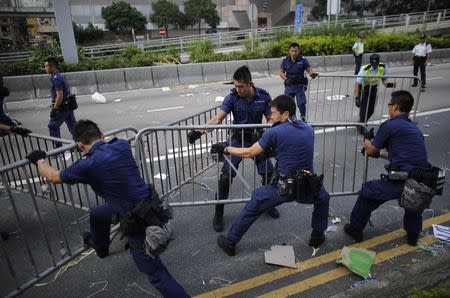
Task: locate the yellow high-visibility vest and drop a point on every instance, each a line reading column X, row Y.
column 372, row 81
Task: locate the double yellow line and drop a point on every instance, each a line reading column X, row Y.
column 321, row 260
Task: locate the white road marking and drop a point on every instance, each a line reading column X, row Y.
column 322, row 90
column 165, row 109
column 436, row 78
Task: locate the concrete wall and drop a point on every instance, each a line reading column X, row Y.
column 88, row 82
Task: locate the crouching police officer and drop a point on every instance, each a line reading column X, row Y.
column 366, row 88
column 111, row 171
column 401, row 142
column 292, row 143
column 248, row 104
column 292, row 72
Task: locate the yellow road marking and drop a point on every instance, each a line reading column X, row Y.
column 334, row 274
column 313, row 262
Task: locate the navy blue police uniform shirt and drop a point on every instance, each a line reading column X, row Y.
column 59, row 83
column 295, row 70
column 246, row 111
column 404, row 143
column 292, row 143
column 112, row 173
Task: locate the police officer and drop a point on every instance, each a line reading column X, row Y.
column 401, row 142
column 292, row 72
column 292, row 143
column 4, row 119
column 248, row 104
column 358, row 51
column 366, row 88
column 421, row 55
column 59, row 91
column 112, row 173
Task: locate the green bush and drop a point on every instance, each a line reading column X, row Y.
column 201, row 51
column 90, row 33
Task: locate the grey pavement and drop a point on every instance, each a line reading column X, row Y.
column 193, row 257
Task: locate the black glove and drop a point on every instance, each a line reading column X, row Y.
column 52, row 113
column 193, row 136
column 20, row 131
column 314, row 75
column 357, row 101
column 391, row 85
column 36, row 155
column 219, row 150
column 369, row 135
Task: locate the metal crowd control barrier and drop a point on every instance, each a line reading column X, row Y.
column 331, row 98
column 186, row 175
column 42, row 235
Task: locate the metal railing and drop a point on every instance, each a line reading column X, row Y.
column 332, row 97
column 186, row 175
column 47, row 234
column 237, row 38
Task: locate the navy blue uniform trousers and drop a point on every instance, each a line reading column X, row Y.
column 55, row 123
column 267, row 197
column 373, row 194
column 160, row 278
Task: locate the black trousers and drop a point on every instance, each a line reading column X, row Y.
column 358, row 62
column 419, row 63
column 368, row 100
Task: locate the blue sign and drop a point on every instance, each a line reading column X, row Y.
column 298, row 17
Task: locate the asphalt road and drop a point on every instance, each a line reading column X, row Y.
column 194, row 258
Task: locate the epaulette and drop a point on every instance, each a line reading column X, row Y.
column 367, row 67
column 382, row 65
column 113, row 140
column 262, row 91
column 233, row 91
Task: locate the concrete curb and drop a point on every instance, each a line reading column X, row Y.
column 112, row 80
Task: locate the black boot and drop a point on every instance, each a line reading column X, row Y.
column 218, row 218
column 352, row 232
column 228, row 246
column 317, row 238
column 412, row 238
column 101, row 253
column 273, row 212
column 4, row 235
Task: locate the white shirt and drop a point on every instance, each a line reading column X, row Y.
column 358, row 47
column 422, row 49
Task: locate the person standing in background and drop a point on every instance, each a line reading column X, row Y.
column 421, row 55
column 358, row 51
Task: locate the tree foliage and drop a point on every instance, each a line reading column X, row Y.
column 198, row 10
column 87, row 34
column 121, row 17
column 166, row 13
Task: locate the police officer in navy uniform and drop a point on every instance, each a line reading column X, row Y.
column 59, row 90
column 112, row 173
column 421, row 55
column 248, row 104
column 401, row 142
column 292, row 72
column 366, row 89
column 4, row 119
column 292, row 144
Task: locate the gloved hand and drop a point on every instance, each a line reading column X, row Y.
column 391, row 85
column 52, row 113
column 36, row 155
column 193, row 136
column 218, row 149
column 289, row 82
column 369, row 135
column 357, row 101
column 314, row 75
column 20, row 131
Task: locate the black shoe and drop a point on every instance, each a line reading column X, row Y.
column 361, row 130
column 87, row 239
column 423, row 87
column 303, row 118
column 317, row 238
column 4, row 235
column 412, row 238
column 352, row 232
column 273, row 212
column 228, row 246
column 414, row 85
column 218, row 222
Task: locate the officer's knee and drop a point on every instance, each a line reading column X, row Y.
column 100, row 214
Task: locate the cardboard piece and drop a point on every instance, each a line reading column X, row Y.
column 358, row 260
column 282, row 255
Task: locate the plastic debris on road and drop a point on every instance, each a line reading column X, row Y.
column 315, row 251
column 282, row 255
column 357, row 260
column 336, row 220
column 362, row 282
column 98, row 98
column 331, row 229
column 165, row 89
column 442, row 232
column 219, row 99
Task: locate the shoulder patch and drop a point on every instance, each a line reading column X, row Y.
column 262, row 91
